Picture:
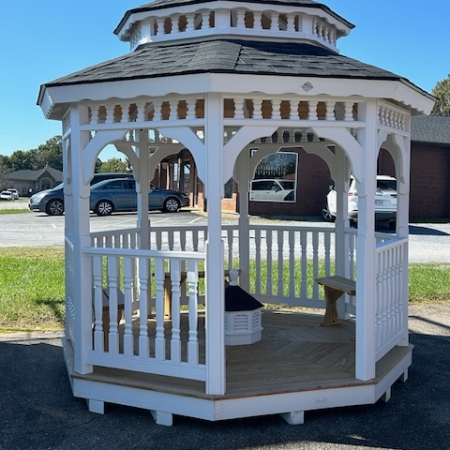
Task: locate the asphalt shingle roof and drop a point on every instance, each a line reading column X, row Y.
column 33, row 175
column 226, row 56
column 431, row 129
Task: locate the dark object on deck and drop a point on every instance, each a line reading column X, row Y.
column 236, row 299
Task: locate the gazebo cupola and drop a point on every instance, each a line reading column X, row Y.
column 277, row 21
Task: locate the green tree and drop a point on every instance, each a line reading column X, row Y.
column 48, row 154
column 21, row 160
column 442, row 93
column 115, row 165
column 5, row 164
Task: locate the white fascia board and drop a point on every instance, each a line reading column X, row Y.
column 46, row 103
column 335, row 87
column 235, row 84
column 128, row 89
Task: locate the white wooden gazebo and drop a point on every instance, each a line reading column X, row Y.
column 220, row 78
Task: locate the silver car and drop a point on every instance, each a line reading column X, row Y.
column 120, row 195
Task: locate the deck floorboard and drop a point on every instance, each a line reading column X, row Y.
column 295, row 354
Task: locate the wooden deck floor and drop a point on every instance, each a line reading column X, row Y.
column 295, row 354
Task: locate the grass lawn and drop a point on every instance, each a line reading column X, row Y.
column 14, row 211
column 32, row 288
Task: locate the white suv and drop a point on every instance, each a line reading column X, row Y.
column 272, row 190
column 385, row 202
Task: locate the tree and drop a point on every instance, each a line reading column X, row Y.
column 21, row 160
column 5, row 164
column 48, row 154
column 115, row 165
column 442, row 93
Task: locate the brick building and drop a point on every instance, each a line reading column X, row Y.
column 430, row 175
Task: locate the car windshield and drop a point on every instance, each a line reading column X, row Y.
column 387, row 185
column 287, row 184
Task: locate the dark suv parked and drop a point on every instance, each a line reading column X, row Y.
column 51, row 201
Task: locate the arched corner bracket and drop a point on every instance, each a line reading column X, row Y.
column 351, row 147
column 127, row 149
column 324, row 153
column 94, row 147
column 239, row 141
column 397, row 146
column 192, row 142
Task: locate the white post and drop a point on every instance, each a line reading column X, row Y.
column 365, row 245
column 142, row 188
column 403, row 189
column 243, row 179
column 341, row 243
column 68, row 230
column 214, row 283
column 77, row 225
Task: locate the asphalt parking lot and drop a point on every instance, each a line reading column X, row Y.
column 428, row 242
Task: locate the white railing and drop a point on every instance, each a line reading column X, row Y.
column 391, row 295
column 284, row 260
column 133, row 281
column 125, row 238
column 350, row 269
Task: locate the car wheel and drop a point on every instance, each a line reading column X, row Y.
column 171, row 205
column 55, row 208
column 104, row 208
column 327, row 215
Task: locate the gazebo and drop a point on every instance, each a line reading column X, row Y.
column 232, row 82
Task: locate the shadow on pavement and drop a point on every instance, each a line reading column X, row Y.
column 426, row 231
column 38, row 411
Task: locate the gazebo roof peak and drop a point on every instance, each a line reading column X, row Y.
column 166, row 21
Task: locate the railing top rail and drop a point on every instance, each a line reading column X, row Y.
column 288, row 227
column 166, row 254
column 95, row 234
column 386, row 245
column 235, row 226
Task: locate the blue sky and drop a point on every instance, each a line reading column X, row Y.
column 46, row 39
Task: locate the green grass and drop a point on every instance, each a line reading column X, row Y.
column 14, row 211
column 429, row 283
column 32, row 287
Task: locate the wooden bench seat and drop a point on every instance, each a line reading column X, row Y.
column 335, row 286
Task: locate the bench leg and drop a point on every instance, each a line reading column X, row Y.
column 167, row 298
column 331, row 297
